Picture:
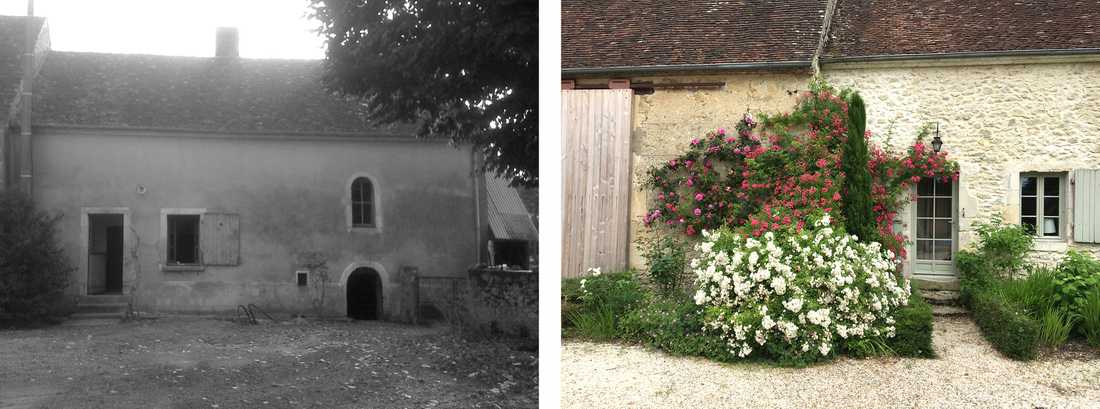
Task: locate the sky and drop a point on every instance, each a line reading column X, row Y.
column 268, row 28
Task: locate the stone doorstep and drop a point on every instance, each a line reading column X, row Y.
column 940, row 297
column 101, row 308
column 926, row 283
column 103, row 299
column 95, row 315
column 947, row 310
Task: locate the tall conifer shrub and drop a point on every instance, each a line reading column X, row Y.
column 860, row 219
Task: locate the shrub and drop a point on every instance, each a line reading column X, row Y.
column 857, row 203
column 1075, row 277
column 796, row 296
column 1005, row 325
column 1054, row 326
column 1004, row 246
column 675, row 325
column 33, row 269
column 596, row 323
column 1035, row 293
column 913, row 329
column 1089, row 317
column 774, row 173
column 602, row 299
column 974, row 275
column 666, row 259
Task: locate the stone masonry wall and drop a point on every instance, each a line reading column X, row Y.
column 504, row 301
column 666, row 121
column 996, row 119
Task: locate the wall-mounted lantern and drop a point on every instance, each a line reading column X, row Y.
column 937, row 143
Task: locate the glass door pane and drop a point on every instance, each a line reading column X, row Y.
column 934, row 235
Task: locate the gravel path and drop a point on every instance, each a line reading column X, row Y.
column 968, row 373
column 192, row 363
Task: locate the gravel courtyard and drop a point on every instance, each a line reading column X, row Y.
column 209, row 363
column 967, row 374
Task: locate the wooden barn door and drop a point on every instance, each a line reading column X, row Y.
column 596, row 179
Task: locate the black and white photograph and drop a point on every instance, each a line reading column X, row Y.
column 269, row 204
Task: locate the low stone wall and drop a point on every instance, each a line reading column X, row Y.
column 504, row 302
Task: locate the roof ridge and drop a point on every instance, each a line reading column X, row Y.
column 195, row 57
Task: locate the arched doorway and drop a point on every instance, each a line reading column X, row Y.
column 364, row 296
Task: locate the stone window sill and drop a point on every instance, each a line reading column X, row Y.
column 1051, row 244
column 178, row 268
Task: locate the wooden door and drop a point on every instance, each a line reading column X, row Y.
column 596, row 179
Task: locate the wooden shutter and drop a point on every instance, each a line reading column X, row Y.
column 595, row 179
column 1086, row 205
column 220, row 239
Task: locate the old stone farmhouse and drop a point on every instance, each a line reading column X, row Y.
column 199, row 184
column 1014, row 87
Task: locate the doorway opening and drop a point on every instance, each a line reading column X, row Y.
column 937, row 227
column 364, row 296
column 105, row 253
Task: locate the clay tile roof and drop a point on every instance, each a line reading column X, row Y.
column 194, row 93
column 633, row 33
column 880, row 27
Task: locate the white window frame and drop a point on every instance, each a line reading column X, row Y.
column 163, row 245
column 1039, row 199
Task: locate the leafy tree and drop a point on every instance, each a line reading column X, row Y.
column 467, row 70
column 858, row 213
column 33, row 271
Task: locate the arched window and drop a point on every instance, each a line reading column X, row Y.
column 362, row 203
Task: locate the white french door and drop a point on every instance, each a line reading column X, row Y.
column 936, row 231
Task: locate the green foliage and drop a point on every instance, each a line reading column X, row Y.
column 463, row 70
column 869, row 347
column 1054, row 327
column 1075, row 277
column 1035, row 294
column 1089, row 317
column 913, row 337
column 601, row 301
column 33, row 268
column 857, row 203
column 596, row 323
column 974, row 275
column 1005, row 325
column 1004, row 246
column 675, row 325
column 667, row 259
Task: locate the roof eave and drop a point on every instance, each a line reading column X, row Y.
column 659, row 69
column 964, row 54
column 372, row 135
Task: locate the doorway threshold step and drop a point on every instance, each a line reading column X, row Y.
column 101, row 308
column 95, row 315
column 103, row 299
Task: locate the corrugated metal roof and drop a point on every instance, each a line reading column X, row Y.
column 508, row 218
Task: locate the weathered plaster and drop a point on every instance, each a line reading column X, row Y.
column 290, row 194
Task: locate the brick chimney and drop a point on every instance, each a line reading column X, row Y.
column 227, row 43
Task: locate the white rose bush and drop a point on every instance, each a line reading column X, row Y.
column 796, row 295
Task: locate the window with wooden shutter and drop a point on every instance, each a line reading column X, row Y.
column 220, row 236
column 1086, row 205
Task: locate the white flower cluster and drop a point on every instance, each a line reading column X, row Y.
column 806, row 291
column 592, row 272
